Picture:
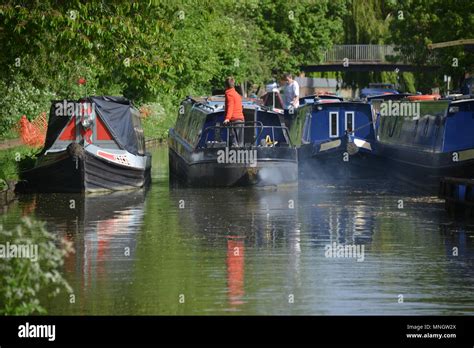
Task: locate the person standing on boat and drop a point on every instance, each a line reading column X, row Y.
column 292, row 92
column 234, row 114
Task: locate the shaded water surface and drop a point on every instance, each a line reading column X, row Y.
column 259, row 251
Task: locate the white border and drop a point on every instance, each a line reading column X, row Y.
column 353, row 120
column 337, row 124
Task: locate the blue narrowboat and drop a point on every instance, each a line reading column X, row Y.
column 201, row 151
column 334, row 139
column 424, row 141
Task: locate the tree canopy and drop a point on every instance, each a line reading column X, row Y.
column 417, row 23
column 147, row 50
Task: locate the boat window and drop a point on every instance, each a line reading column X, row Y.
column 384, row 123
column 195, row 124
column 333, row 124
column 349, row 119
column 425, row 131
column 139, row 135
column 307, row 128
column 389, row 125
column 181, row 122
column 393, row 125
column 438, row 125
column 183, row 126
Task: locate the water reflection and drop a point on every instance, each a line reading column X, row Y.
column 259, row 251
column 235, row 269
column 251, row 223
column 102, row 229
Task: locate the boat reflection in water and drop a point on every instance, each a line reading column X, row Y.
column 102, row 228
column 245, row 224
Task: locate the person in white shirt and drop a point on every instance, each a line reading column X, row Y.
column 292, row 92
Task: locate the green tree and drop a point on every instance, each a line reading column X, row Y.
column 293, row 33
column 417, row 23
column 366, row 22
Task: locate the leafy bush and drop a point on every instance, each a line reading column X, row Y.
column 20, row 97
column 22, row 280
column 66, row 85
column 3, row 185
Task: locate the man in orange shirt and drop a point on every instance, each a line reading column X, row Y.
column 234, row 112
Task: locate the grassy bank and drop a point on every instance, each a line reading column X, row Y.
column 158, row 118
column 12, row 160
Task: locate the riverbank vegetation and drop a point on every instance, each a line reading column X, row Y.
column 12, row 160
column 30, row 267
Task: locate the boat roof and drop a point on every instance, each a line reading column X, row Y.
column 117, row 113
column 372, row 91
column 389, row 96
column 381, row 85
column 338, row 103
column 459, row 101
column 217, row 102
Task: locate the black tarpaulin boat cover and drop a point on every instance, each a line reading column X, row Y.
column 115, row 112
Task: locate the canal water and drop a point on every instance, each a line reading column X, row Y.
column 357, row 247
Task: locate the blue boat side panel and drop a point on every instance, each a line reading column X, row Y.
column 458, row 134
column 320, row 121
column 461, row 193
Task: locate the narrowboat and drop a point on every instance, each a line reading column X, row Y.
column 201, row 152
column 425, row 140
column 334, row 139
column 92, row 145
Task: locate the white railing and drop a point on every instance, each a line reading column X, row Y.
column 359, row 53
